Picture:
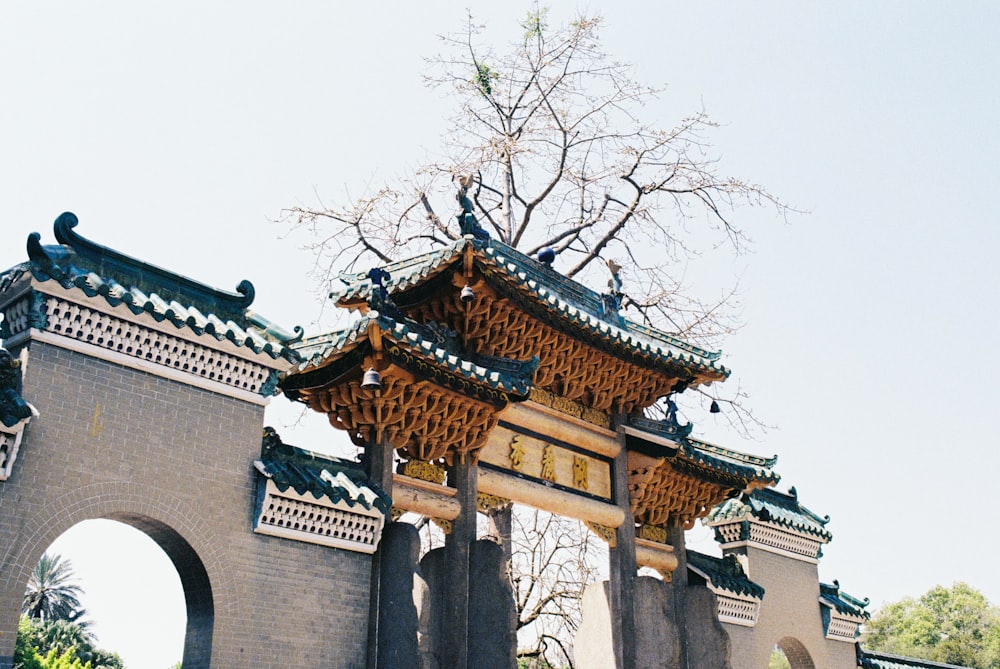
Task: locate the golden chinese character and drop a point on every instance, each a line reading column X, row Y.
column 549, row 463
column 516, row 454
column 580, row 472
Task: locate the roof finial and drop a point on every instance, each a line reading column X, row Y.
column 615, row 282
column 467, row 222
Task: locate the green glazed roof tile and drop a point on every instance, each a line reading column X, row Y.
column 336, row 479
column 868, row 659
column 97, row 271
column 768, row 505
column 570, row 303
column 724, row 573
column 835, row 598
column 733, row 463
column 316, row 351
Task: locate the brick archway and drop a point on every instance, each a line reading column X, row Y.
column 796, row 654
column 142, row 509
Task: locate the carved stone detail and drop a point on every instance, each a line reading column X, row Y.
column 605, row 533
column 142, row 343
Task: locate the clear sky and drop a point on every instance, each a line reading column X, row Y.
column 176, row 132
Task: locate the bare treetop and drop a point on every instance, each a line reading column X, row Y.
column 547, row 149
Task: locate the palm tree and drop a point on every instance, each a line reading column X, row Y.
column 51, row 595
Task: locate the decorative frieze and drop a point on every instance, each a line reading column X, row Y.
column 10, row 442
column 319, row 521
column 486, row 503
column 604, row 532
column 736, row 610
column 843, row 628
column 142, row 343
column 425, row 471
column 768, row 536
column 571, row 408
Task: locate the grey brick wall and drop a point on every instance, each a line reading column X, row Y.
column 176, row 462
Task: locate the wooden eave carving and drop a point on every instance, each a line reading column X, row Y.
column 662, row 493
column 494, row 324
column 424, row 409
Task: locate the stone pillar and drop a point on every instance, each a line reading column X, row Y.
column 679, row 584
column 501, row 522
column 378, row 458
column 492, row 614
column 622, row 568
column 455, row 637
column 399, row 587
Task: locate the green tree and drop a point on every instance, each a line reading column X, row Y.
column 37, row 640
column 954, row 625
column 51, row 593
column 778, row 660
column 25, row 646
column 55, row 659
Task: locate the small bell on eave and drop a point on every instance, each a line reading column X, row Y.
column 714, row 407
column 467, row 295
column 372, row 380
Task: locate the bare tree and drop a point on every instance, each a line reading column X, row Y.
column 550, row 139
column 553, row 561
column 548, row 150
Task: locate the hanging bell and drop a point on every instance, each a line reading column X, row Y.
column 713, row 408
column 467, row 295
column 372, row 380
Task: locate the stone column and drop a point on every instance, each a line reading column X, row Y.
column 622, row 568
column 679, row 585
column 501, row 523
column 455, row 637
column 378, row 458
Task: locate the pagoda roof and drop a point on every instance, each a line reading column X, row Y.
column 556, row 299
column 724, row 573
column 771, row 506
column 868, row 659
column 322, row 476
column 673, row 476
column 843, row 603
column 94, row 271
column 729, row 463
column 327, row 357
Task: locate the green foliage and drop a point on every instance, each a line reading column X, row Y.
column 535, row 23
column 778, row 660
column 65, row 660
column 59, row 644
column 51, row 593
column 484, row 78
column 954, row 625
column 25, row 655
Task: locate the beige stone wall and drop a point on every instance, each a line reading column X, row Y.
column 790, row 615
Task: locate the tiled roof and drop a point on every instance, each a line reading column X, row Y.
column 666, row 438
column 840, row 601
column 571, row 303
column 96, row 271
column 732, row 463
column 336, row 479
column 768, row 505
column 868, row 659
column 417, row 340
column 724, row 573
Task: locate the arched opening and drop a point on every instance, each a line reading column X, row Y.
column 789, row 652
column 146, row 592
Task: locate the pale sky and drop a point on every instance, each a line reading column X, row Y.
column 176, row 132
